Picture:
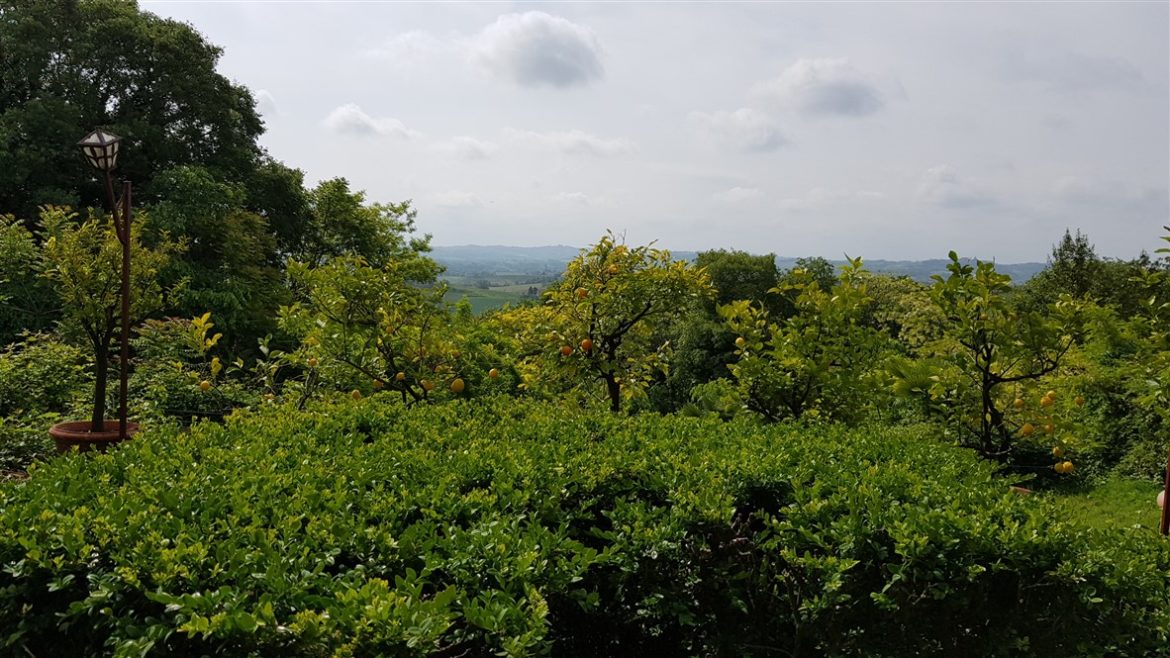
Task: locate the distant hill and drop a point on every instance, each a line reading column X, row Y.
column 477, row 260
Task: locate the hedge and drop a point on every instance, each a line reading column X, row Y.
column 500, row 528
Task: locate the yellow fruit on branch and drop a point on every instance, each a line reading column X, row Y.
column 355, row 394
column 378, row 384
column 1057, row 452
column 493, row 373
column 1018, row 403
column 1027, row 430
column 566, row 350
column 400, row 377
column 457, row 385
column 740, row 342
column 1050, row 394
column 1066, row 467
column 313, row 362
column 426, row 384
column 1046, row 401
column 586, row 344
column 1049, row 428
column 205, row 386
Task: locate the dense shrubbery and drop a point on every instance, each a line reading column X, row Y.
column 475, row 529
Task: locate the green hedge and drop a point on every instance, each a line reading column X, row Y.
column 488, row 528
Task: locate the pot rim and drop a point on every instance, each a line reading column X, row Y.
column 78, row 430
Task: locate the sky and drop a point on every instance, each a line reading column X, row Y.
column 882, row 130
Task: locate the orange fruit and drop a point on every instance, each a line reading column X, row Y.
column 1027, row 429
column 493, row 373
column 1050, row 394
column 740, row 342
column 1057, row 452
column 586, row 344
column 205, row 385
column 355, row 394
column 1049, row 428
column 1046, row 401
column 1068, row 467
column 378, row 384
column 426, row 384
column 399, row 377
column 313, row 362
column 566, row 350
column 457, row 385
column 1018, row 403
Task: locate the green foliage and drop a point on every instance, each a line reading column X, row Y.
column 343, row 224
column 83, row 262
column 26, row 303
column 67, row 67
column 991, row 355
column 480, row 529
column 605, row 321
column 40, row 380
column 821, row 361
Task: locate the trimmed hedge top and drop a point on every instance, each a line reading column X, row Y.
column 489, row 528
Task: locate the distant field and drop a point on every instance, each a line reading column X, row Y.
column 487, row 300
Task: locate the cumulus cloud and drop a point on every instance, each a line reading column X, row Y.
column 409, row 48
column 457, row 199
column 744, row 129
column 574, row 142
column 738, row 195
column 943, row 186
column 265, row 103
column 350, row 119
column 535, row 49
column 468, row 148
column 822, row 87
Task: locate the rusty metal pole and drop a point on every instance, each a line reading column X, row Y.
column 125, row 362
column 1165, row 528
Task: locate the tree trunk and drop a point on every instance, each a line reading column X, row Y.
column 101, row 371
column 615, row 393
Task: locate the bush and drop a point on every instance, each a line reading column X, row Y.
column 492, row 528
column 39, row 374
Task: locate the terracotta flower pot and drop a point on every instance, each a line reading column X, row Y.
column 77, row 433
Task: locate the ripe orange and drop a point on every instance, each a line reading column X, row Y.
column 1050, row 394
column 1049, row 428
column 457, row 385
column 378, row 384
column 205, row 385
column 740, row 342
column 493, row 373
column 426, row 384
column 1027, row 429
column 1018, row 403
column 355, row 394
column 400, row 376
column 1046, row 401
column 1057, row 452
column 1068, row 467
column 313, row 362
column 566, row 350
column 586, row 344
column 983, row 316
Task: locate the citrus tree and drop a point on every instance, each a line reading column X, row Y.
column 374, row 328
column 988, row 369
column 820, row 360
column 82, row 260
column 605, row 320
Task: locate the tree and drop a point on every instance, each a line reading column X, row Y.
column 822, row 360
column 26, row 302
column 604, row 319
column 990, row 353
column 67, row 66
column 342, row 223
column 83, row 262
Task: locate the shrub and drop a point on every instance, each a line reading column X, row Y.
column 499, row 528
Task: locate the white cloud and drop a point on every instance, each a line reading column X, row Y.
column 265, row 103
column 744, row 129
column 821, row 87
column 820, row 197
column 574, row 142
column 456, row 199
column 738, row 195
column 943, row 186
column 468, row 148
column 351, row 119
column 579, row 198
column 409, row 48
column 535, row 49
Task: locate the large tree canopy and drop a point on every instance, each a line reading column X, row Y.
column 67, row 66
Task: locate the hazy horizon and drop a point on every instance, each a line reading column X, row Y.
column 894, row 131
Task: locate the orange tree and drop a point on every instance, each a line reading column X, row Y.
column 372, row 328
column 604, row 321
column 819, row 361
column 987, row 372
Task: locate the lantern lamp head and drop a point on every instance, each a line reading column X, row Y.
column 101, row 149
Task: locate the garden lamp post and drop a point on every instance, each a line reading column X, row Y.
column 100, row 148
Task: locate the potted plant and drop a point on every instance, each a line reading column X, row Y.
column 81, row 260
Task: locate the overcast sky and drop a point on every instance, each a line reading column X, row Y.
column 898, row 130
